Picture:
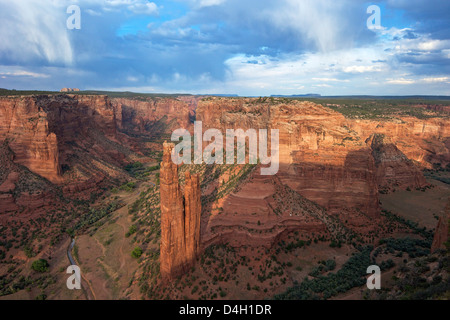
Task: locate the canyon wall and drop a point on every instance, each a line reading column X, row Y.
column 42, row 130
column 81, row 142
column 334, row 161
column 180, row 219
column 260, row 213
column 159, row 115
column 424, row 141
column 393, row 168
column 25, row 126
column 319, row 158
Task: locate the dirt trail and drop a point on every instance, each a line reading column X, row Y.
column 90, row 287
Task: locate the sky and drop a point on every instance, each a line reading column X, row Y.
column 244, row 47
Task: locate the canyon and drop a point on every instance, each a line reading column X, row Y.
column 338, row 163
column 69, row 148
column 79, row 142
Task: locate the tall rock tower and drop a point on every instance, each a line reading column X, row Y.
column 441, row 234
column 180, row 219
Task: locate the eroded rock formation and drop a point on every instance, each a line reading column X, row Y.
column 156, row 116
column 393, row 168
column 180, row 219
column 45, row 132
column 425, row 141
column 441, row 234
column 69, row 90
column 320, row 158
column 26, row 128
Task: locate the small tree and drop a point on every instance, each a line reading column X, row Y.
column 137, row 252
column 40, row 265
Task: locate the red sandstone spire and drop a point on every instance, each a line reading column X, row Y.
column 180, row 220
column 441, row 232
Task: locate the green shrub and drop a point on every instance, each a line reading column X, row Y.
column 40, row 265
column 131, row 231
column 137, row 252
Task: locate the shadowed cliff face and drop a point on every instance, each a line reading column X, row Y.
column 46, row 132
column 154, row 117
column 20, row 189
column 393, row 168
column 424, row 141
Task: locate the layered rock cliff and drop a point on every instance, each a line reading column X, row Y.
column 82, row 142
column 320, row 158
column 70, row 140
column 155, row 116
column 260, row 213
column 424, row 141
column 323, row 155
column 393, row 168
column 42, row 130
column 180, row 219
column 21, row 190
column 25, row 126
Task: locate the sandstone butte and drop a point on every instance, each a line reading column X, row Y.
column 69, row 90
column 180, row 219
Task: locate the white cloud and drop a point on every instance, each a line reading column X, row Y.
column 361, row 69
column 30, row 30
column 22, row 73
column 132, row 79
column 400, row 81
column 435, row 79
column 147, row 8
column 422, row 43
column 330, row 80
column 135, row 6
column 208, row 3
column 315, row 21
column 93, row 12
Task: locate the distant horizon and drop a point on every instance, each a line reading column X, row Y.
column 231, row 95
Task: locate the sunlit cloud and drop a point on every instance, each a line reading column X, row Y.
column 252, row 47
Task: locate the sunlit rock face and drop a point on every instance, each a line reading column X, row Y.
column 180, row 219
